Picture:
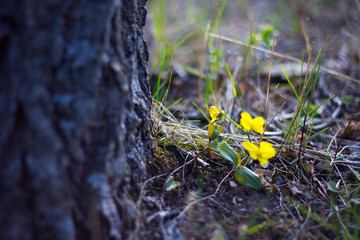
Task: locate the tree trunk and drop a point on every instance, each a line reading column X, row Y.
column 74, row 118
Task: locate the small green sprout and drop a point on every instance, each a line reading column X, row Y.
column 171, row 184
column 267, row 34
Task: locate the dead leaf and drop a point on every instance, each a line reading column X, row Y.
column 262, row 174
column 297, row 189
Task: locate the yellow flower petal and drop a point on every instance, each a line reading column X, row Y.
column 213, row 111
column 215, row 114
column 262, row 153
column 245, row 121
column 252, row 149
column 264, row 162
column 246, row 116
column 266, row 150
column 257, row 125
column 248, row 123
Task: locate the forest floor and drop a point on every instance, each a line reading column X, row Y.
column 310, row 189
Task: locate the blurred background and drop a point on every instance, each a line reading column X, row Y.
column 207, row 40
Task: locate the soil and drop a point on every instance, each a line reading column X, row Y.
column 209, row 203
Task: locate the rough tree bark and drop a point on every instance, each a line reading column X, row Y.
column 74, row 118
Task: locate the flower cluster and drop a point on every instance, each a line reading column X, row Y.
column 263, row 152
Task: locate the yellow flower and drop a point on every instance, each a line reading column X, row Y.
column 215, row 114
column 248, row 123
column 262, row 153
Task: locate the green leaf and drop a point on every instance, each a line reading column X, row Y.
column 247, row 177
column 267, row 34
column 214, row 145
column 171, row 184
column 225, row 151
column 228, row 153
column 213, row 132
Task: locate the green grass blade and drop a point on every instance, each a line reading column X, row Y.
column 208, row 85
column 171, row 105
column 232, row 80
column 260, row 226
column 157, row 88
column 182, row 41
column 167, row 90
column 316, row 134
column 167, row 73
column 228, row 118
column 202, row 112
column 293, row 88
column 190, row 70
column 313, row 112
column 212, row 91
column 217, row 22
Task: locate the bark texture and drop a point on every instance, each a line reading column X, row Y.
column 74, row 118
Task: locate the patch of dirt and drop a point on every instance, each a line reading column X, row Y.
column 210, row 203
